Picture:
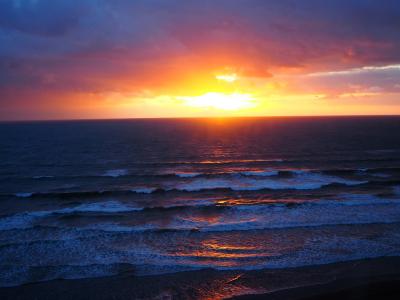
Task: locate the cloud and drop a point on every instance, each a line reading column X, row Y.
column 42, row 17
column 382, row 79
column 129, row 46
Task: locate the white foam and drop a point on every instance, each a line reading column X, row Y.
column 116, row 173
column 396, row 190
column 268, row 217
column 87, row 257
column 24, row 195
column 108, row 207
column 381, row 175
column 257, row 217
column 365, row 209
column 22, row 220
column 144, row 190
column 260, row 173
column 112, row 227
column 188, row 174
column 229, row 161
column 303, row 180
column 27, row 219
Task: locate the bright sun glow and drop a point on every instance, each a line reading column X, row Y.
column 227, row 77
column 222, row 101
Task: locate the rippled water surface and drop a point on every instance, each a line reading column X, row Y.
column 93, row 198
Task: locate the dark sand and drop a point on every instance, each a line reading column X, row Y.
column 364, row 279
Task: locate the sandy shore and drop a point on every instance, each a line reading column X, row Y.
column 362, row 279
column 386, row 289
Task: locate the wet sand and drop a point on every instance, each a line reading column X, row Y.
column 388, row 290
column 362, row 279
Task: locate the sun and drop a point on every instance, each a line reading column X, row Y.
column 221, row 101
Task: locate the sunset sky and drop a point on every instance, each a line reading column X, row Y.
column 69, row 59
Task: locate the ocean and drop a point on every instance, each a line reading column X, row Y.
column 85, row 199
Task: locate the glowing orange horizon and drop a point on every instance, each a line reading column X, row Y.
column 187, row 59
column 193, row 91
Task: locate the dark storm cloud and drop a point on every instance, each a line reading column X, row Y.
column 43, row 17
column 86, row 44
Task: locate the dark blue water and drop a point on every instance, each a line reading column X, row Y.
column 94, row 198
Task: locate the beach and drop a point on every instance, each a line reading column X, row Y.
column 361, row 279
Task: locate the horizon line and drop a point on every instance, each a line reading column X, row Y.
column 190, row 118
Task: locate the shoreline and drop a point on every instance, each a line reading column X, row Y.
column 369, row 289
column 310, row 282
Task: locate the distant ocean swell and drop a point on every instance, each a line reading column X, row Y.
column 217, row 172
column 154, row 197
